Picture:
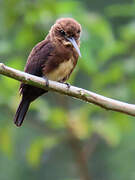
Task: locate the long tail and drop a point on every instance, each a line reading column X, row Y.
column 21, row 111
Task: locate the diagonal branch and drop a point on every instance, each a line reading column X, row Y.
column 79, row 93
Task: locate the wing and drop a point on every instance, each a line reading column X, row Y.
column 38, row 57
column 36, row 61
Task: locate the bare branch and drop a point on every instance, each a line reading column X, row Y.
column 79, row 93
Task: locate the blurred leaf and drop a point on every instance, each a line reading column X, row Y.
column 58, row 118
column 121, row 10
column 127, row 32
column 78, row 122
column 6, row 145
column 109, row 131
column 37, row 148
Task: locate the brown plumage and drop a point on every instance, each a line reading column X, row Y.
column 53, row 58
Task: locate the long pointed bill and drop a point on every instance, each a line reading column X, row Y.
column 72, row 40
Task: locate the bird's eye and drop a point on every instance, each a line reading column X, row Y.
column 62, row 32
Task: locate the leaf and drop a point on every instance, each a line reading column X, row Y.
column 37, row 148
column 6, row 145
column 109, row 131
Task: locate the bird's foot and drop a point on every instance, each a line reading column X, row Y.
column 68, row 85
column 46, row 81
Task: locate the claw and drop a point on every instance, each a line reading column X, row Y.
column 46, row 81
column 68, row 85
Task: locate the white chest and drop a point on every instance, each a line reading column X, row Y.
column 62, row 71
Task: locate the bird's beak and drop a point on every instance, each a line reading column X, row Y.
column 72, row 40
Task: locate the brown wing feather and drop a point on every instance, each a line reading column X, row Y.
column 38, row 57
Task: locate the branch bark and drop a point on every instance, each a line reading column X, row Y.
column 79, row 93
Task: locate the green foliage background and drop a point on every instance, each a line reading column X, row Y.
column 41, row 148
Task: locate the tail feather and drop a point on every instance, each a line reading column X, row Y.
column 21, row 112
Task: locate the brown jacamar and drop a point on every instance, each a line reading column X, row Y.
column 53, row 58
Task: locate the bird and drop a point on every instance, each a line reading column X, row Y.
column 54, row 58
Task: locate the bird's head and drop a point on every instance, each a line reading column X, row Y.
column 67, row 31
